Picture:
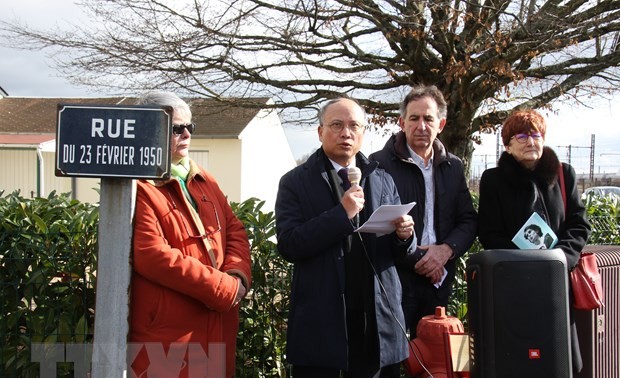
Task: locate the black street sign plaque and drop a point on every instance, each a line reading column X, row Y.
column 113, row 141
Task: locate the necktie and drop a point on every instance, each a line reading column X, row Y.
column 344, row 175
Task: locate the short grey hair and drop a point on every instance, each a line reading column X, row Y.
column 163, row 98
column 328, row 103
column 420, row 91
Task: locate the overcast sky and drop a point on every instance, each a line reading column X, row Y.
column 29, row 74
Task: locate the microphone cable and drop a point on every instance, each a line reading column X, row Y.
column 355, row 222
column 387, row 299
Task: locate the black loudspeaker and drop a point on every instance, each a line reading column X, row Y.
column 518, row 314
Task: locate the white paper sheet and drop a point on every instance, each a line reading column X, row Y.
column 380, row 222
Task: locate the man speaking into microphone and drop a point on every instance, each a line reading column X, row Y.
column 345, row 317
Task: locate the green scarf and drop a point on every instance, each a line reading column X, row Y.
column 180, row 171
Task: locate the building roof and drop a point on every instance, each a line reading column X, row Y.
column 27, row 139
column 224, row 119
column 214, row 119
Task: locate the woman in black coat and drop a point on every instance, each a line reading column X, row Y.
column 526, row 181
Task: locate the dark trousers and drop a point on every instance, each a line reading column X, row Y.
column 419, row 300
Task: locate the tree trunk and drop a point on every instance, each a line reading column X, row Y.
column 463, row 148
column 456, row 134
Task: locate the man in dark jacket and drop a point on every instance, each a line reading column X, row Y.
column 345, row 316
column 445, row 219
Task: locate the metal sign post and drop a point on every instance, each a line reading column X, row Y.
column 117, row 144
column 113, row 277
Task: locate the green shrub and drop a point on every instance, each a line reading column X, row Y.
column 47, row 277
column 604, row 216
column 48, row 262
column 262, row 332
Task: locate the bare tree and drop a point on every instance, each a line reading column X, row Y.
column 487, row 56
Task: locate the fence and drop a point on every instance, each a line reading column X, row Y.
column 47, row 289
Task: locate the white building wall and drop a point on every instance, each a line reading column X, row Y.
column 222, row 159
column 266, row 157
column 49, row 181
column 86, row 189
column 18, row 167
column 21, row 169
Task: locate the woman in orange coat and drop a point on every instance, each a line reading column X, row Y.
column 191, row 267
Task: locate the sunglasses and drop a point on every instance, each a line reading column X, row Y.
column 179, row 129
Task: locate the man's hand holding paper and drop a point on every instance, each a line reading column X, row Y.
column 389, row 218
column 404, row 227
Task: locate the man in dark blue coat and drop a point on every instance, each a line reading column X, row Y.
column 345, row 315
column 445, row 219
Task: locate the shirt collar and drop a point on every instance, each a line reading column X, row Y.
column 418, row 160
column 337, row 166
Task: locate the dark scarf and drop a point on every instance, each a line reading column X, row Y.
column 544, row 174
column 537, row 181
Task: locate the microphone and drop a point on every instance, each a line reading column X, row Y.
column 355, row 176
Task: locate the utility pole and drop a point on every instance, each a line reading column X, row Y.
column 592, row 157
column 498, row 149
column 569, row 154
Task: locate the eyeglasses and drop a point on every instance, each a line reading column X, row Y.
column 338, row 126
column 179, row 129
column 208, row 233
column 522, row 137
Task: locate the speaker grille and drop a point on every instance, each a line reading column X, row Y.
column 518, row 314
column 531, row 330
